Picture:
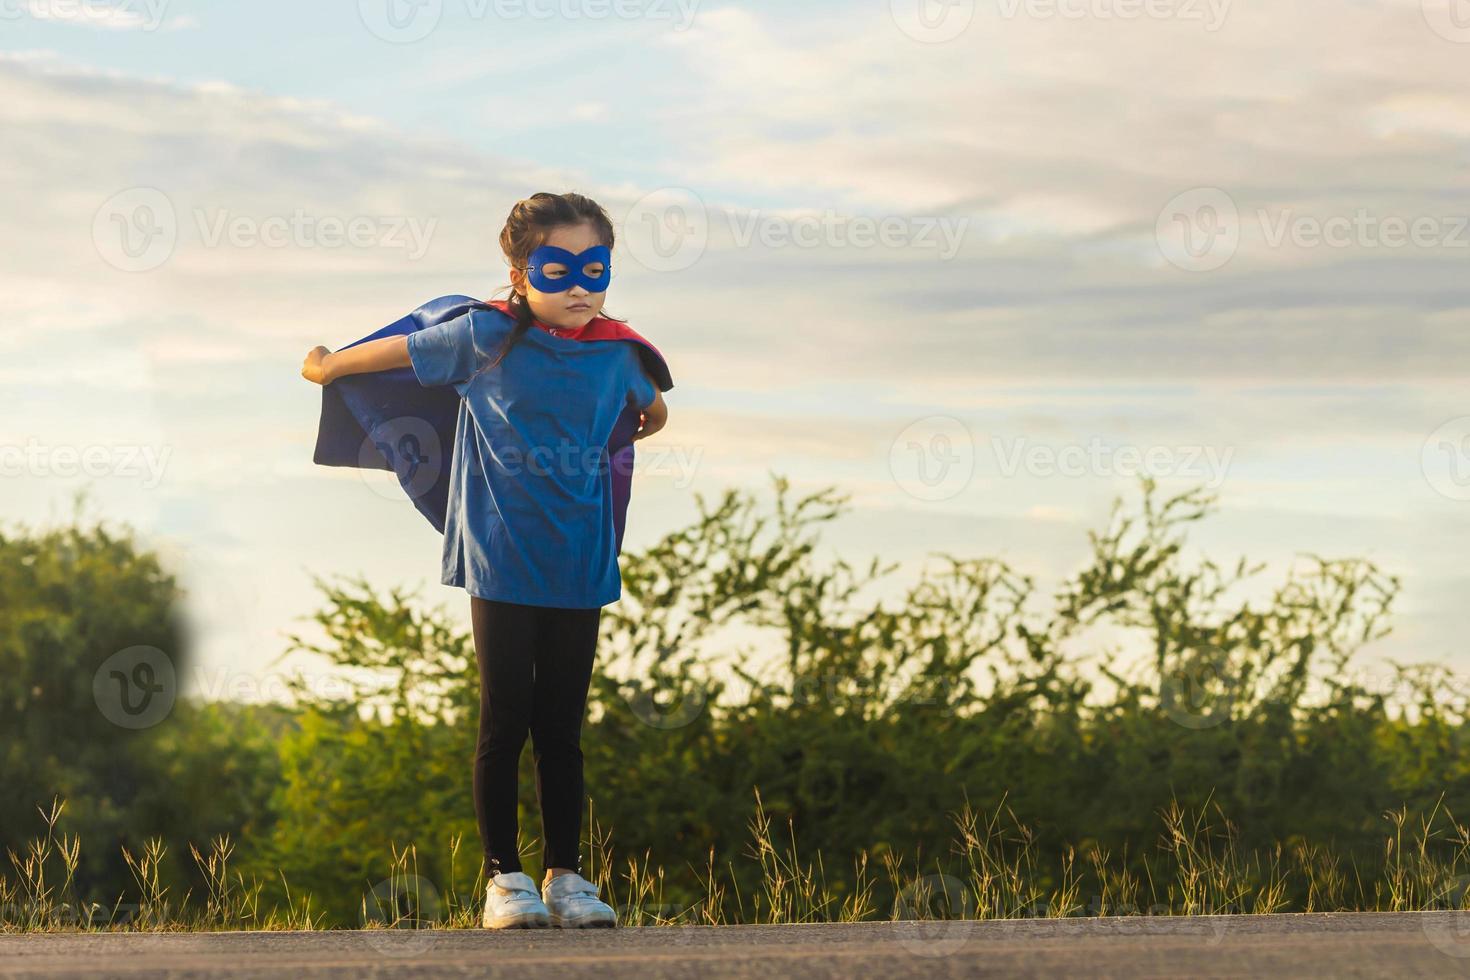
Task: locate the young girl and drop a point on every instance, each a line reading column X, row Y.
column 529, row 531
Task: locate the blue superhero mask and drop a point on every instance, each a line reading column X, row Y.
column 576, row 265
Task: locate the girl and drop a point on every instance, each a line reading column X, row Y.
column 529, row 530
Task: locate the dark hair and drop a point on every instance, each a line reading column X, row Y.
column 530, row 223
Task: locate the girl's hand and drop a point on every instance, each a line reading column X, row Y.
column 314, row 368
column 647, row 428
column 655, row 417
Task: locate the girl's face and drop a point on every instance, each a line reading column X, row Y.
column 572, row 308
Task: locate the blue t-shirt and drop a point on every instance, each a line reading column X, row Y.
column 530, row 495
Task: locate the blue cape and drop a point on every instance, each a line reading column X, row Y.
column 363, row 418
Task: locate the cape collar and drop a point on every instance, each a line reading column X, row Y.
column 604, row 328
column 597, row 328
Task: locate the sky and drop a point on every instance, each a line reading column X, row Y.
column 976, row 264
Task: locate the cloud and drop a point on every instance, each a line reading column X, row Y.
column 1058, row 319
column 1035, row 106
column 1336, row 133
column 118, row 15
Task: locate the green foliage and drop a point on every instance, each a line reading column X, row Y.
column 1157, row 731
column 71, row 597
column 877, row 722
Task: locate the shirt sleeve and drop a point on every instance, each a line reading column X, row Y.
column 640, row 387
column 444, row 353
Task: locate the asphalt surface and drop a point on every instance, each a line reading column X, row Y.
column 1430, row 944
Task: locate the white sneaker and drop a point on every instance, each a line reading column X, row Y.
column 573, row 903
column 511, row 903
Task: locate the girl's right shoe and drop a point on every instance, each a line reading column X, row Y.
column 574, row 904
column 512, row 901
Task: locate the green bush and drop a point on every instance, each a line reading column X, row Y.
column 975, row 728
column 879, row 722
column 72, row 598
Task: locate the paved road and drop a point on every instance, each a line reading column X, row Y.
column 1434, row 944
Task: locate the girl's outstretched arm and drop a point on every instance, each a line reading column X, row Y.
column 323, row 367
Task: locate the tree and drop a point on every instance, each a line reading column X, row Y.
column 92, row 653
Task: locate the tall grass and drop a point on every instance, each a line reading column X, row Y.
column 994, row 871
column 39, row 894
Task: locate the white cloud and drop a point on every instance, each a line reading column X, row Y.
column 1119, row 115
column 1060, row 140
column 112, row 15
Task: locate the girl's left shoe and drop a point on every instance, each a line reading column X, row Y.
column 573, row 903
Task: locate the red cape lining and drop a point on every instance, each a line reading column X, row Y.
column 598, row 328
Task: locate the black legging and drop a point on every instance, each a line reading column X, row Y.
column 535, row 668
